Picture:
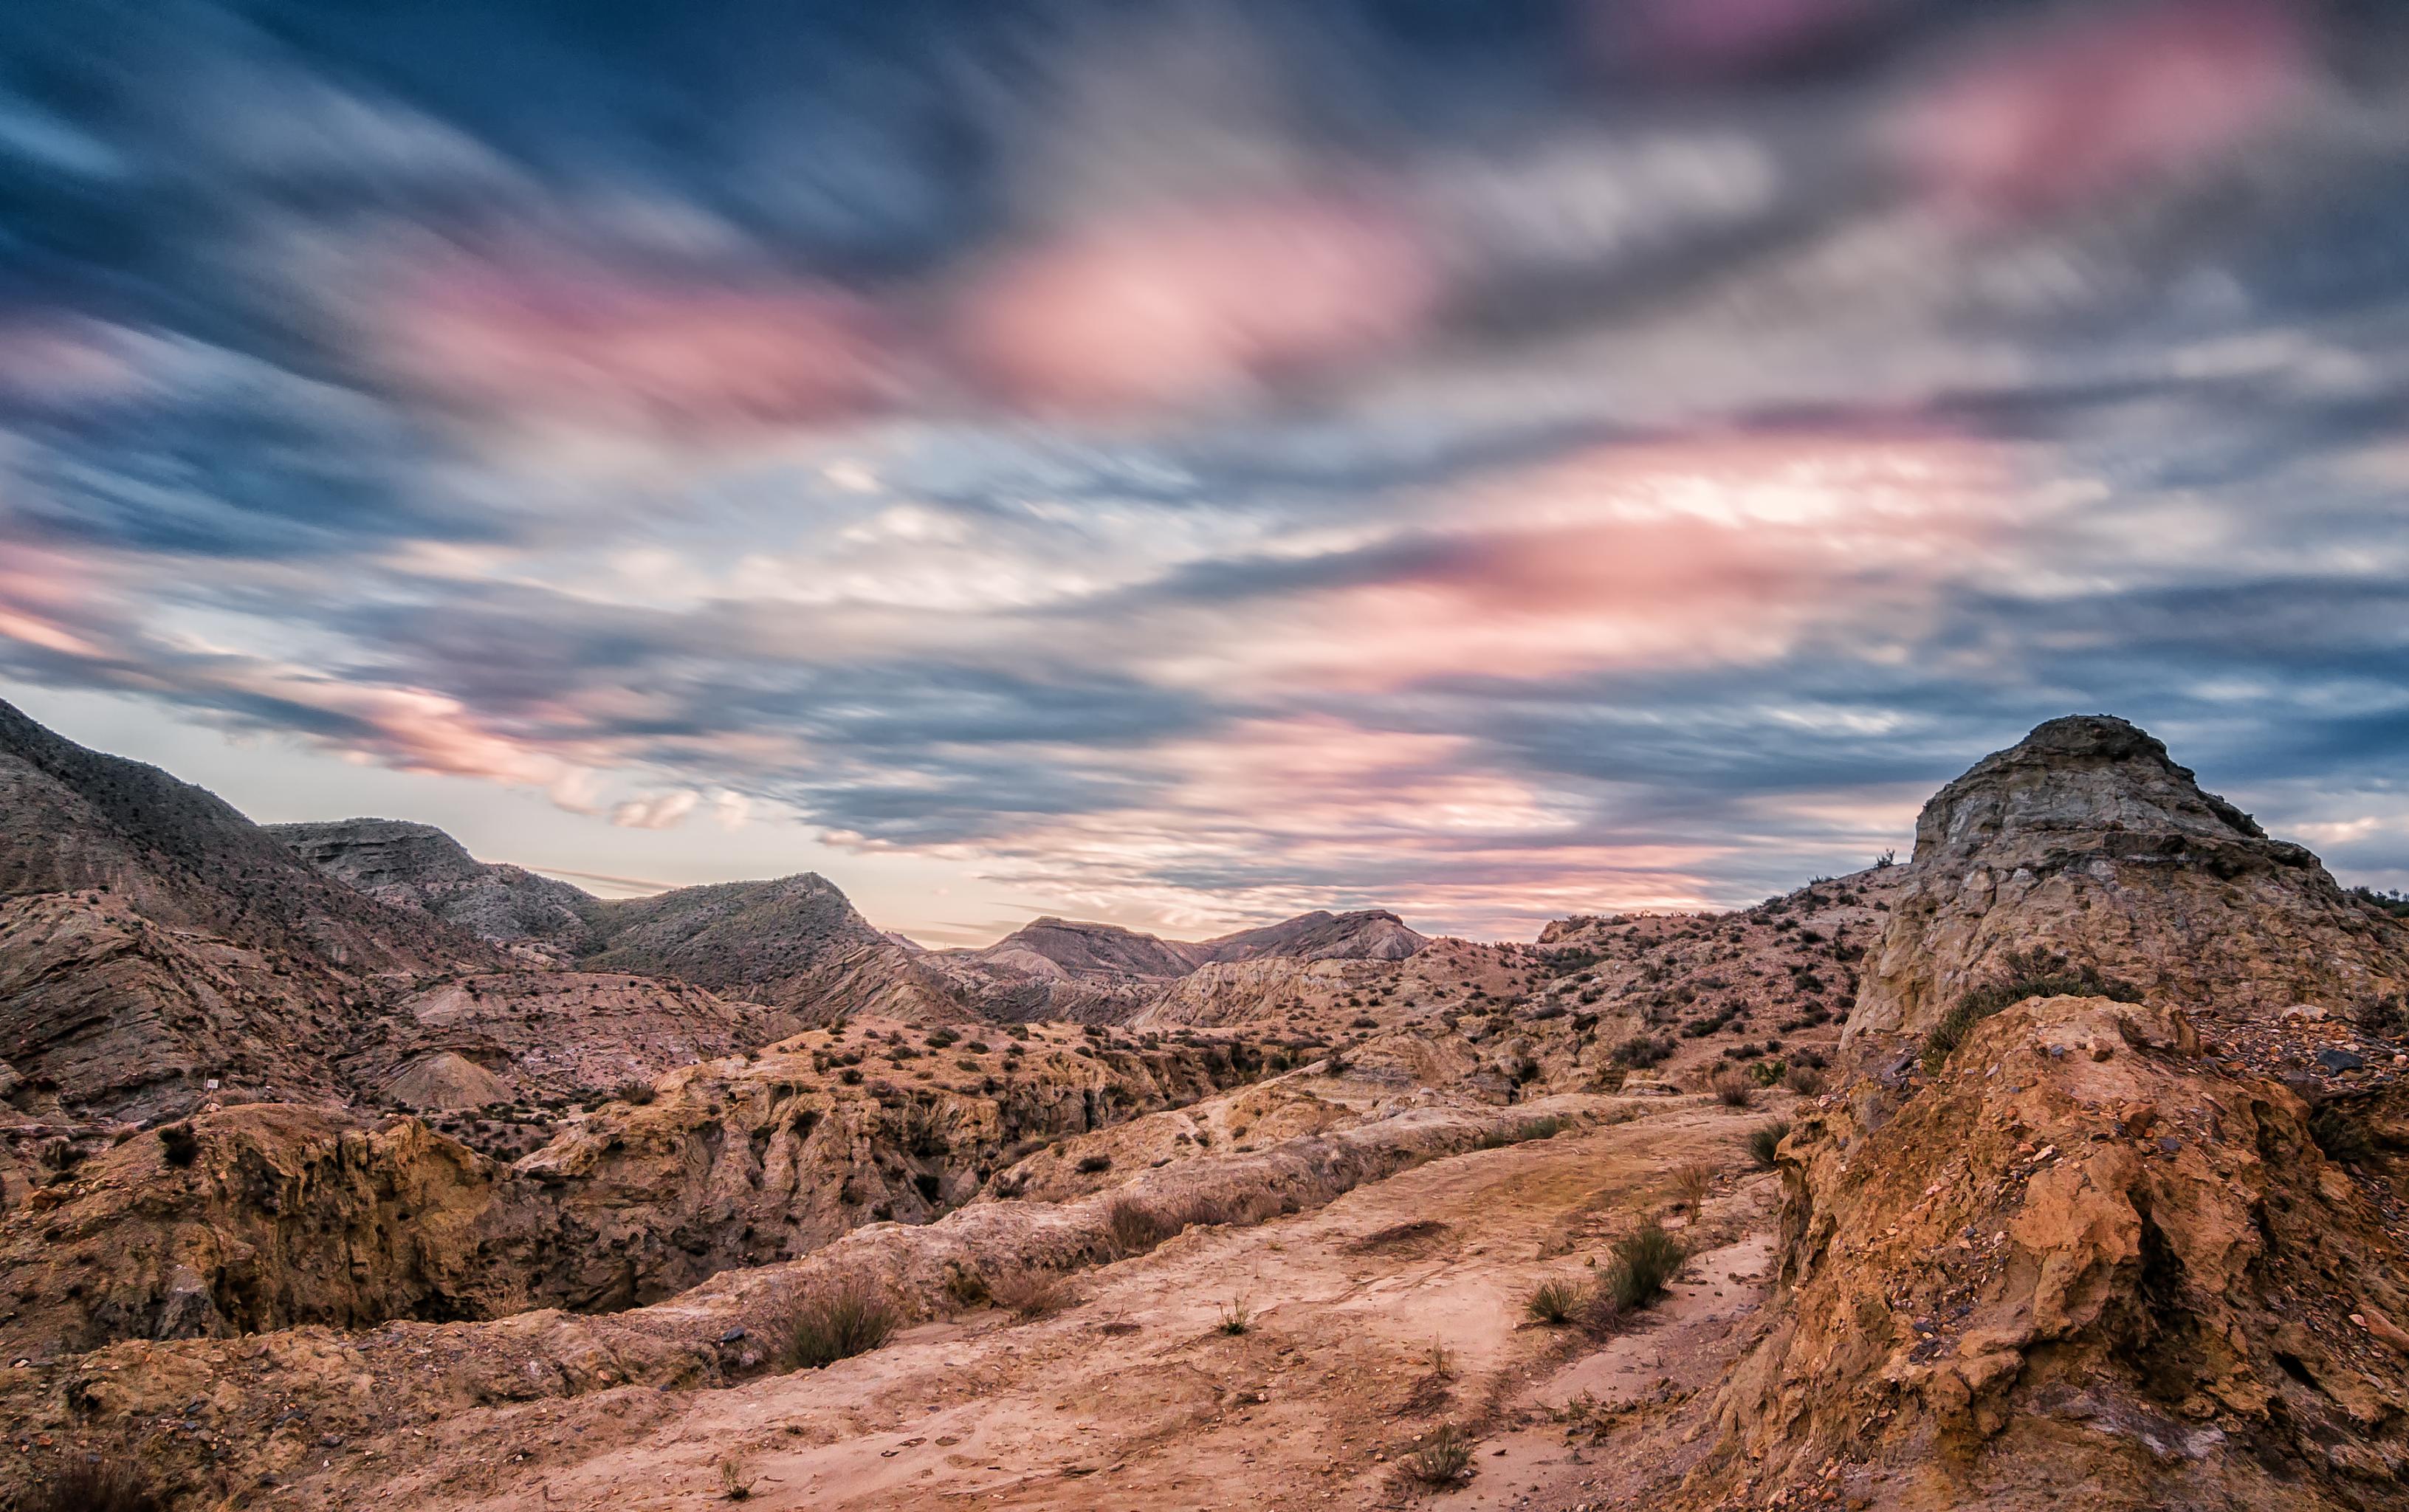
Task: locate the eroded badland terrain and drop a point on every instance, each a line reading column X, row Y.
column 2062, row 1165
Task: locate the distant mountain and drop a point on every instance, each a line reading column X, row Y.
column 1054, row 968
column 419, row 866
column 796, row 943
column 1367, row 934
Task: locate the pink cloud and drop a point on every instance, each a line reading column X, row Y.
column 1195, row 304
column 2103, row 102
column 600, row 348
column 1717, row 37
column 1711, row 550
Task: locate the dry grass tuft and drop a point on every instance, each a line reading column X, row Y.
column 1691, row 1184
column 837, row 1323
column 1237, row 1316
column 735, row 1482
column 1735, row 1089
column 1553, row 1302
column 99, row 1484
column 1444, row 1458
column 1034, row 1294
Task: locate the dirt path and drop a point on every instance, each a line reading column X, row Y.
column 1135, row 1399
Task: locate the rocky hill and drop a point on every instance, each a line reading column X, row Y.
column 152, row 939
column 1055, row 968
column 1367, row 934
column 418, row 866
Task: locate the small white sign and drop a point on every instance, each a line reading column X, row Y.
column 209, row 1086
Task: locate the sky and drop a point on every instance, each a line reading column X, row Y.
column 1185, row 464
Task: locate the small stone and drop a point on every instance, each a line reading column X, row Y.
column 2338, row 1060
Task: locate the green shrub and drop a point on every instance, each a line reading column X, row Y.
column 2031, row 973
column 836, row 1324
column 1644, row 1263
column 1553, row 1302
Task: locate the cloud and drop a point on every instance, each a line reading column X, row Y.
column 658, row 811
column 1492, row 461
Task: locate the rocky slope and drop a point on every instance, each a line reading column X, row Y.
column 418, row 866
column 151, row 939
column 536, row 1036
column 1102, row 974
column 1367, row 934
column 268, row 1215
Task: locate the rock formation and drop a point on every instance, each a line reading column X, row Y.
column 2087, row 840
column 2134, row 1253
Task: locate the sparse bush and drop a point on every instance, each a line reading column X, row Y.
column 1691, row 1184
column 1803, row 1081
column 1136, row 1229
column 1237, row 1316
column 95, row 1484
column 634, row 1089
column 1641, row 1051
column 1553, row 1302
column 1735, row 1088
column 1444, row 1457
column 1769, row 1073
column 1093, row 1164
column 1032, row 1294
column 836, row 1324
column 1766, row 1139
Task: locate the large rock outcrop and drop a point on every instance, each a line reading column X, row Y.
column 2136, row 1245
column 2084, row 1264
column 2088, row 841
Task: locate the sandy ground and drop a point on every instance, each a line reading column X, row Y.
column 1136, row 1399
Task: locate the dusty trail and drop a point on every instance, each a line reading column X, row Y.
column 1136, row 1399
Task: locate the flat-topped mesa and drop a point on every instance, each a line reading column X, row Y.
column 2086, row 841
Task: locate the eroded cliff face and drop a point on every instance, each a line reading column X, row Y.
column 2086, row 839
column 2085, row 1262
column 264, row 1217
column 2138, row 1253
column 744, row 1161
column 269, row 1215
